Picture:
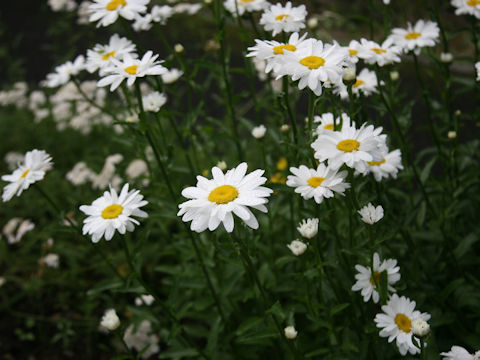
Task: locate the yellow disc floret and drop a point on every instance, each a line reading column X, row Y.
column 403, row 322
column 315, row 181
column 358, row 83
column 378, row 50
column 278, row 50
column 25, row 173
column 312, row 62
column 412, row 36
column 223, row 194
column 352, row 52
column 376, row 163
column 108, row 55
column 112, row 211
column 375, row 281
column 473, row 3
column 114, row 4
column 281, row 17
column 328, row 127
column 132, row 69
column 348, row 145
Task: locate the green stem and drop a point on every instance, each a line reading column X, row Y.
column 91, row 102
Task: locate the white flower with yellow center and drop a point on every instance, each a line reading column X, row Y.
column 353, row 49
column 107, row 11
column 33, row 169
column 321, row 183
column 64, row 72
column 325, row 122
column 101, row 56
column 373, row 53
column 388, row 166
column 131, row 69
column 460, row 353
column 423, row 33
column 366, row 83
column 286, row 18
column 314, row 64
column 469, row 7
column 396, row 322
column 349, row 146
column 113, row 212
column 273, row 51
column 243, row 6
column 215, row 201
column 368, row 282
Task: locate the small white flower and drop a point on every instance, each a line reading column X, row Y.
column 141, row 337
column 36, row 163
column 110, row 320
column 366, row 83
column 178, row 48
column 460, row 353
column 154, row 101
column 136, row 168
column 477, row 68
column 394, row 75
column 130, row 69
column 244, row 6
column 144, row 300
column 16, row 228
column 396, row 322
column 326, row 122
column 101, row 56
column 258, row 132
column 389, row 166
column 368, row 281
column 64, row 72
column 384, row 54
column 107, row 11
column 112, row 212
column 66, row 5
column 423, row 33
column 290, row 332
column 452, row 135
column 161, row 14
column 279, row 18
column 51, row 260
column 215, row 201
column 420, row 328
column 446, row 57
column 308, row 228
column 186, row 8
column 297, row 247
column 222, row 165
column 468, row 7
column 142, row 23
column 172, row 75
column 312, row 23
column 371, row 214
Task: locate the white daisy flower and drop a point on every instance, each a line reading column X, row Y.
column 244, row 6
column 297, row 247
column 101, row 56
column 469, row 7
column 154, row 101
column 161, row 14
column 286, row 18
column 349, row 146
column 273, row 51
column 131, row 69
column 423, row 33
column 258, row 132
column 142, row 23
column 388, row 166
column 320, row 183
column 112, row 212
column 186, row 8
column 51, row 260
column 354, row 49
column 213, row 201
column 373, row 53
column 308, row 228
column 477, row 68
column 64, row 72
column 110, row 320
column 326, row 122
column 172, row 75
column 396, row 322
column 107, row 11
column 368, row 281
column 314, row 64
column 460, row 353
column 371, row 214
column 366, row 83
column 33, row 169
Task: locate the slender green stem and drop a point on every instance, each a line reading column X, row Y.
column 291, row 116
column 91, row 102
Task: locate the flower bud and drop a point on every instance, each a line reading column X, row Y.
column 446, row 57
column 420, row 328
column 297, row 247
column 394, row 75
column 312, row 23
column 290, row 332
column 285, row 128
column 222, row 165
column 110, row 320
column 452, row 135
column 179, row 48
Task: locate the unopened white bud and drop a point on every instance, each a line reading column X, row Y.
column 285, row 128
column 394, row 75
column 312, row 23
column 110, row 320
column 458, row 112
column 258, row 132
column 222, row 165
column 452, row 135
column 446, row 57
column 178, row 48
column 297, row 247
column 207, row 2
column 290, row 332
column 349, row 74
column 308, row 228
column 420, row 328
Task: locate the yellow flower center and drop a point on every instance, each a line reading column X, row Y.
column 473, row 3
column 132, row 69
column 315, row 181
column 223, row 194
column 352, row 52
column 378, row 50
column 358, row 83
column 412, row 36
column 281, row 17
column 24, row 175
column 112, row 211
column 312, row 62
column 114, row 4
column 108, row 55
column 375, row 281
column 376, row 163
column 403, row 322
column 348, row 145
column 328, row 127
column 282, row 163
column 246, row 1
column 278, row 50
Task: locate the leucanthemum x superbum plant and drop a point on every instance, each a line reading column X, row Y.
column 259, row 188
